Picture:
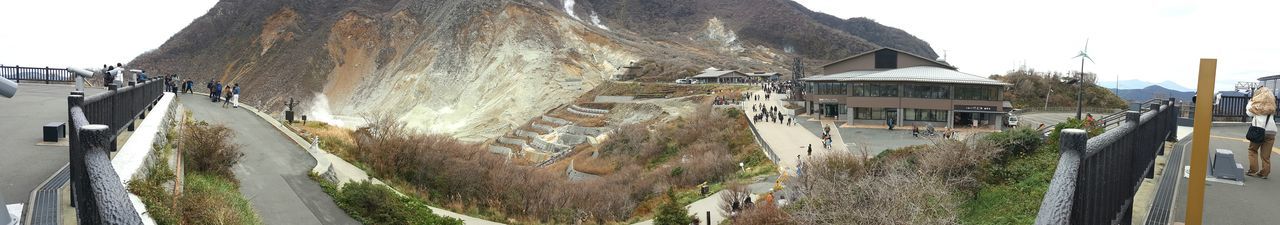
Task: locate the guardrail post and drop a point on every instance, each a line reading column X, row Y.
column 108, row 201
column 1059, row 199
column 76, row 160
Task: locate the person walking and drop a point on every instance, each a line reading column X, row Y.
column 235, row 96
column 810, row 149
column 226, row 96
column 1262, row 107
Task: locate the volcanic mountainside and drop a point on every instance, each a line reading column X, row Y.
column 477, row 68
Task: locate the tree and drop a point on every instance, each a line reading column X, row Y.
column 672, row 213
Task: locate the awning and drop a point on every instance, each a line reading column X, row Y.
column 971, row 111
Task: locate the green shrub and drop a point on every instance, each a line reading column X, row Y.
column 1072, row 123
column 1015, row 142
column 377, row 204
column 672, row 212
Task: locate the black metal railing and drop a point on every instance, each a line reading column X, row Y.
column 1097, row 177
column 95, row 121
column 29, row 74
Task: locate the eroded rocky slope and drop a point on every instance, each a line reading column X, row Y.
column 474, row 69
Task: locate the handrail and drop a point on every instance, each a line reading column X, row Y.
column 48, row 75
column 95, row 121
column 1097, row 177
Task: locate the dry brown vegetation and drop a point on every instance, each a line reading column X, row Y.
column 208, row 148
column 637, row 165
column 914, row 185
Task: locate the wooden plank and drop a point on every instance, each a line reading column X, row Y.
column 1200, row 142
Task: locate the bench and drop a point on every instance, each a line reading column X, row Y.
column 54, row 130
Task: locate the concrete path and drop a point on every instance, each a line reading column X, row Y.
column 712, row 203
column 273, row 171
column 1253, row 203
column 27, row 163
column 790, row 142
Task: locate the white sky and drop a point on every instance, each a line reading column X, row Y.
column 1150, row 40
column 89, row 33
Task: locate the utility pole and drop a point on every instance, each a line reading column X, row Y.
column 1046, row 99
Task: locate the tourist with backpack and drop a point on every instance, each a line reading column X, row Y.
column 1262, row 132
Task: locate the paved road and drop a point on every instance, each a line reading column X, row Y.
column 24, row 164
column 1254, row 203
column 273, row 172
column 1034, row 119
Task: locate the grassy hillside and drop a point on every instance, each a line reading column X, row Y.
column 1030, row 87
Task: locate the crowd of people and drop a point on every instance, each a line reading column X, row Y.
column 228, row 94
column 770, row 114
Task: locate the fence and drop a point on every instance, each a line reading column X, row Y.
column 1097, row 177
column 29, row 74
column 95, row 121
column 1030, row 109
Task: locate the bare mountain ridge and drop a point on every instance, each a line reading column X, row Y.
column 476, row 69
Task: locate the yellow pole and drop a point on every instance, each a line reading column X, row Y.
column 1200, row 141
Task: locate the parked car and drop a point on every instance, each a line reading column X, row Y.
column 1012, row 121
column 684, row 81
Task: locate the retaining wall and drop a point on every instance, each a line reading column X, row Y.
column 557, row 121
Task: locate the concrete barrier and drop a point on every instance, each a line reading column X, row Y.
column 571, row 139
column 139, row 150
column 543, row 127
column 554, row 120
column 575, row 111
column 575, row 175
column 528, row 134
column 512, row 141
column 543, row 145
column 588, row 131
column 589, row 110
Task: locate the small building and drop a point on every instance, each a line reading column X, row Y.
column 765, row 76
column 713, row 75
column 887, row 84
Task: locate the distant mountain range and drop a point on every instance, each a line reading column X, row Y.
column 1139, row 84
column 1152, row 91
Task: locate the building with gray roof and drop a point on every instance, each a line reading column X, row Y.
column 887, row 84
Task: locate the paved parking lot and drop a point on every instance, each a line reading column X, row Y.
column 23, row 164
column 1256, row 202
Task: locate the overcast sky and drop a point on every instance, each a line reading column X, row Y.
column 1147, row 40
column 89, row 33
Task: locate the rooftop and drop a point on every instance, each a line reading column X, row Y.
column 929, row 74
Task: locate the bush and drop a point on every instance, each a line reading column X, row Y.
column 1072, row 123
column 377, row 204
column 672, row 213
column 1015, row 142
column 208, row 148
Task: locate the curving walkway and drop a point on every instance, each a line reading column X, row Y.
column 273, row 171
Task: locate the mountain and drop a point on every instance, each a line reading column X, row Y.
column 477, row 68
column 1153, row 91
column 1139, row 84
column 1174, row 86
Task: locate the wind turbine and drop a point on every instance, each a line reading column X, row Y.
column 1084, row 54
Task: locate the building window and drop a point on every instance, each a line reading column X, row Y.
column 984, row 93
column 874, row 90
column 886, row 59
column 868, row 113
column 831, row 88
column 928, row 115
column 927, row 91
